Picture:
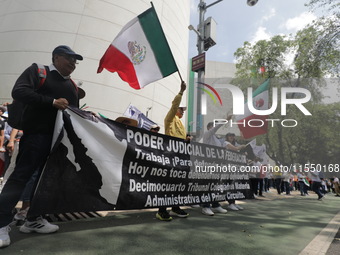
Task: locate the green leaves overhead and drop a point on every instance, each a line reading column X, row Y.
column 307, row 60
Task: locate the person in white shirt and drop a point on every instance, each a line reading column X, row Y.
column 336, row 186
column 209, row 137
column 316, row 185
column 231, row 144
column 286, row 181
column 302, row 185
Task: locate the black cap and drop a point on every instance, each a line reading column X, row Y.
column 63, row 49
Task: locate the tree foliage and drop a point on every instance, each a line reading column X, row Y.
column 319, row 43
column 304, row 60
column 329, row 5
column 315, row 139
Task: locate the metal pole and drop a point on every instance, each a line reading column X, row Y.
column 147, row 111
column 200, row 73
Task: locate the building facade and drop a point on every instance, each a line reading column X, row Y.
column 30, row 30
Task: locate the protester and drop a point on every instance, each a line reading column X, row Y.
column 286, row 182
column 302, row 185
column 262, row 176
column 316, row 185
column 254, row 175
column 324, row 188
column 308, row 184
column 161, row 215
column 174, row 127
column 268, row 180
column 231, row 144
column 38, row 120
column 3, row 109
column 336, row 186
column 12, row 148
column 2, row 149
column 209, row 137
column 295, row 182
column 277, row 174
column 7, row 134
column 2, row 130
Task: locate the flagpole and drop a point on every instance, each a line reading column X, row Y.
column 180, row 76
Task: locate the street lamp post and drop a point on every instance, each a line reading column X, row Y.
column 201, row 48
column 200, row 73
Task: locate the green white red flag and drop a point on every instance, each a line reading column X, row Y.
column 251, row 124
column 140, row 53
column 306, row 182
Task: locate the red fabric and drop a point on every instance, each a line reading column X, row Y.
column 115, row 61
column 248, row 131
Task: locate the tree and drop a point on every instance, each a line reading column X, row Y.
column 316, row 56
column 319, row 43
column 330, row 5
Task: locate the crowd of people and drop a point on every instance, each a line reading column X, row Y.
column 23, row 164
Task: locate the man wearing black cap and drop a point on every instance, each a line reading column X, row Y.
column 42, row 104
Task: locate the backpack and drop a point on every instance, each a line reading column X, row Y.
column 16, row 108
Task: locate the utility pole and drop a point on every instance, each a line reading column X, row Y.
column 201, row 39
column 200, row 73
column 204, row 42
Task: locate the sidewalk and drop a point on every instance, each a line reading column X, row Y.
column 271, row 225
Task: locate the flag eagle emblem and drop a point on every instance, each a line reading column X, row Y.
column 137, row 52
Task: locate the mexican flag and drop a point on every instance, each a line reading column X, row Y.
column 140, row 53
column 306, row 182
column 251, row 124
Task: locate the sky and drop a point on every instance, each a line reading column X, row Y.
column 237, row 22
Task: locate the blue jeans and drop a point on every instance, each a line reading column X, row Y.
column 29, row 189
column 33, row 152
